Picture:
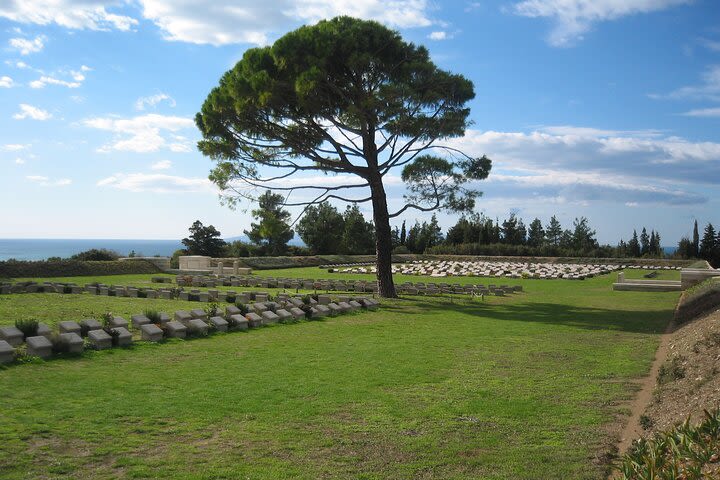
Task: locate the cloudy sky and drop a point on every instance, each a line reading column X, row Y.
column 605, row 109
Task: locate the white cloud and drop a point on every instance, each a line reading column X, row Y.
column 14, row 147
column 156, row 182
column 574, row 18
column 85, row 14
column 28, row 111
column 153, row 100
column 161, row 165
column 587, row 163
column 229, row 21
column 44, row 181
column 19, row 161
column 439, row 35
column 703, row 112
column 25, row 46
column 46, row 80
column 6, row 82
column 708, row 89
column 144, row 133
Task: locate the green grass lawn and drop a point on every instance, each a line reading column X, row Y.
column 519, row 387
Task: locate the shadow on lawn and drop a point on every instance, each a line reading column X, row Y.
column 636, row 321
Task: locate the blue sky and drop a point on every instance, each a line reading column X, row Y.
column 606, row 109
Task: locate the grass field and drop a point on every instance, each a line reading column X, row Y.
column 519, row 387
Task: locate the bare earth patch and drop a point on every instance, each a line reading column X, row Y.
column 689, row 380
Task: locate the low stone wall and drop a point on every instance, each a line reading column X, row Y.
column 163, row 263
column 693, row 276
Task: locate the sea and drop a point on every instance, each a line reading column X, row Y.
column 42, row 248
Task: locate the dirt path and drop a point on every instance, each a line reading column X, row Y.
column 633, row 429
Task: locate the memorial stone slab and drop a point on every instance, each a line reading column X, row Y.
column 39, row 346
column 197, row 326
column 269, row 317
column 12, row 335
column 116, row 322
column 283, row 315
column 254, row 320
column 90, row 324
column 68, row 326
column 220, row 324
column 7, row 352
column 237, row 322
column 175, row 329
column 72, row 341
column 198, row 313
column 99, row 339
column 139, row 320
column 183, row 316
column 151, row 332
column 124, row 337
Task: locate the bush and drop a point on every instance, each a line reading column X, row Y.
column 401, row 249
column 153, row 316
column 96, row 255
column 73, row 268
column 28, row 327
column 175, row 258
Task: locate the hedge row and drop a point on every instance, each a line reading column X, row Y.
column 73, row 268
column 268, row 263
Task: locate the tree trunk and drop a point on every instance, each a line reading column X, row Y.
column 383, row 239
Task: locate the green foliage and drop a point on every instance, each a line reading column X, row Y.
column 204, row 241
column 244, row 310
column 212, row 310
column 96, row 255
column 688, row 452
column 106, row 318
column 175, row 258
column 271, row 232
column 322, row 228
column 28, row 326
column 72, row 268
column 153, row 316
column 646, row 423
column 358, row 236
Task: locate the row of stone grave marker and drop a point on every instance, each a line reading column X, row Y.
column 74, row 337
column 328, row 285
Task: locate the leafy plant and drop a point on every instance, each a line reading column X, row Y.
column 212, row 310
column 646, row 422
column 142, row 294
column 106, row 318
column 114, row 335
column 230, row 298
column 193, row 297
column 306, row 299
column 244, row 310
column 686, row 451
column 28, row 326
column 153, row 316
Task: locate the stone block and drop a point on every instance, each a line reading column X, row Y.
column 90, row 324
column 116, row 322
column 99, row 339
column 269, row 317
column 139, row 320
column 198, row 313
column 164, row 317
column 68, row 326
column 261, row 297
column 151, row 332
column 321, row 311
column 151, row 294
column 284, row 315
column 220, row 324
column 345, row 307
column 7, row 352
column 232, row 310
column 182, row 316
column 324, row 299
column 132, row 292
column 175, row 329
column 39, row 346
column 72, row 342
column 258, row 307
column 297, row 313
column 203, row 297
column 44, row 330
column 333, row 308
column 184, row 296
column 238, row 322
column 254, row 320
column 295, row 301
column 124, row 337
column 197, row 327
column 12, row 335
column 165, row 294
column 354, row 305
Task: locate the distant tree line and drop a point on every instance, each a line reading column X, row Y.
column 705, row 248
column 327, row 231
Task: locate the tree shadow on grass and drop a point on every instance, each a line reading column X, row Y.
column 591, row 318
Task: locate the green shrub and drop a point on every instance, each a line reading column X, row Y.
column 28, row 326
column 688, row 452
column 105, row 318
column 73, row 268
column 153, row 316
column 142, row 294
column 193, row 297
column 212, row 310
column 96, row 255
column 244, row 310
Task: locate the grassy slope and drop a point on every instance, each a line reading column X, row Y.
column 515, row 387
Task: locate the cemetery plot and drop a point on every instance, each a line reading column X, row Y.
column 433, row 268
